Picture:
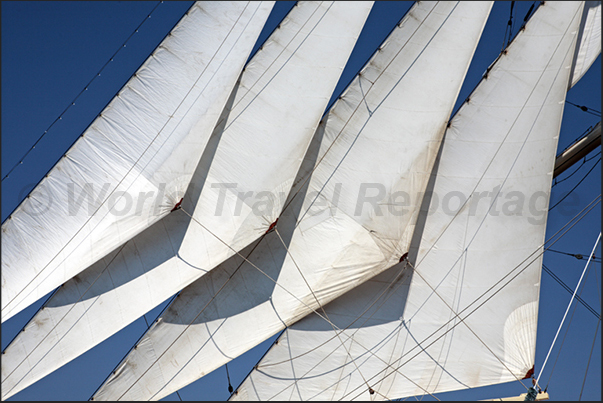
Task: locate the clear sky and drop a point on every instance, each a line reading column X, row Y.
column 51, row 50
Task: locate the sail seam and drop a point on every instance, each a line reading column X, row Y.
column 356, row 78
column 57, row 323
column 82, row 91
column 261, row 271
column 377, row 106
column 286, row 61
column 324, row 312
column 389, row 365
column 461, row 208
column 551, row 239
column 106, row 267
column 214, row 296
column 130, row 170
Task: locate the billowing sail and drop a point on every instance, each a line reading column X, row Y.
column 463, row 312
column 258, row 145
column 588, row 46
column 384, row 132
column 134, row 162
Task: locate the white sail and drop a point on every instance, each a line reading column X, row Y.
column 134, row 162
column 398, row 334
column 276, row 106
column 589, row 41
column 385, row 129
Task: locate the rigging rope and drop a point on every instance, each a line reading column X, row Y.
column 585, row 109
column 568, row 307
column 525, row 19
column 551, row 240
column 576, row 255
column 384, row 69
column 140, row 172
column 376, row 299
column 557, row 279
column 228, row 377
column 584, row 161
column 578, row 184
column 589, row 357
column 350, row 337
column 60, row 117
column 256, row 81
column 562, row 342
column 568, row 327
column 323, row 311
column 508, row 29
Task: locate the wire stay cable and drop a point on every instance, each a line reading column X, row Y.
column 566, row 287
column 589, row 357
column 568, row 307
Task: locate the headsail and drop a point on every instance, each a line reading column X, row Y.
column 134, row 162
column 258, row 144
column 385, row 129
column 588, row 46
column 399, row 334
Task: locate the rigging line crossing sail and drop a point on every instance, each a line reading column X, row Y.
column 258, row 144
column 135, row 160
column 388, row 114
column 538, row 58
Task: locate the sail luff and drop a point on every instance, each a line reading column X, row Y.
column 276, row 105
column 134, row 162
column 502, row 140
column 199, row 328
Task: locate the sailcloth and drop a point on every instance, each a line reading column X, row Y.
column 384, row 132
column 134, row 162
column 257, row 146
column 399, row 335
column 588, row 46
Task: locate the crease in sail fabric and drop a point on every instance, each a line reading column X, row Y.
column 134, row 162
column 385, row 129
column 276, row 105
column 400, row 327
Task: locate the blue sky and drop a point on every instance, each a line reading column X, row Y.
column 51, row 51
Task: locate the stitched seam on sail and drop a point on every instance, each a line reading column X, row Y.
column 554, row 53
column 375, row 109
column 285, row 47
column 277, row 72
column 385, row 289
column 95, row 227
column 142, row 154
column 504, row 285
column 322, row 308
column 309, row 174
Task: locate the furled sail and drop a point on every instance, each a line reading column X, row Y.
column 589, row 41
column 134, row 162
column 384, row 130
column 399, row 335
column 258, row 145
